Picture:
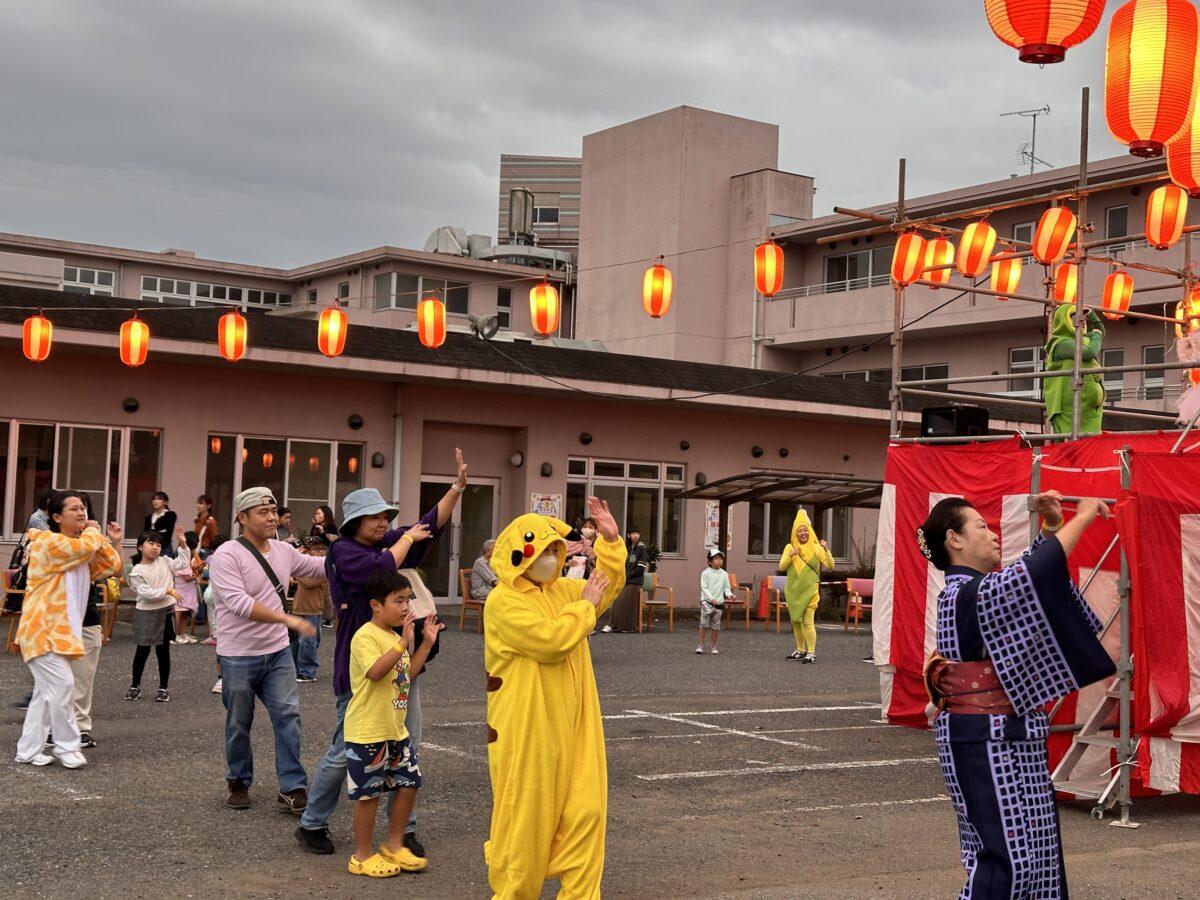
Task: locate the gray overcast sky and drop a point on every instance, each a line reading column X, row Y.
column 281, row 133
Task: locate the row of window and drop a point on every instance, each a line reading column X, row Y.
column 642, row 495
column 769, row 529
column 158, row 290
column 98, row 282
column 400, row 290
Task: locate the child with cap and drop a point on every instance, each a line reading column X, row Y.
column 714, row 591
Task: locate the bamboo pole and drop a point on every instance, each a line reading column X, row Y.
column 1081, row 262
column 1045, row 301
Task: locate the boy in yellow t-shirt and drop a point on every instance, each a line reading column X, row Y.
column 379, row 756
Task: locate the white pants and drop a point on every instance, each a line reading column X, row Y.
column 50, row 709
column 84, row 670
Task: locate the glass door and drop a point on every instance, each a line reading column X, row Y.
column 473, row 522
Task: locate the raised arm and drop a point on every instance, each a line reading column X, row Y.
column 519, row 625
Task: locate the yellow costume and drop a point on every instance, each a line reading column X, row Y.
column 545, row 739
column 802, row 562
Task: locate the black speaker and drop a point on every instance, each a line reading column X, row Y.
column 958, row 420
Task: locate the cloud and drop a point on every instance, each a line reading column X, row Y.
column 280, row 133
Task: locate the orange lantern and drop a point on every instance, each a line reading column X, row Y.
column 1006, row 276
column 1066, row 283
column 1183, row 156
column 231, row 336
column 352, row 465
column 1149, row 72
column 939, row 256
column 215, row 446
column 768, row 268
column 908, row 258
column 36, row 336
column 543, row 308
column 1118, row 289
column 245, row 454
column 1187, row 314
column 331, row 331
column 431, row 322
column 975, row 248
column 268, row 460
column 135, row 341
column 314, row 463
column 656, row 290
column 1166, row 210
column 1043, row 30
column 1054, row 232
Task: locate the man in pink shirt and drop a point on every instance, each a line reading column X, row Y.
column 249, row 579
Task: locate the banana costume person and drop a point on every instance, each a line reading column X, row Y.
column 802, row 560
column 545, row 740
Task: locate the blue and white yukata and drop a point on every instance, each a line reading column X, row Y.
column 1031, row 621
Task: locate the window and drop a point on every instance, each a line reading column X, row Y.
column 200, row 293
column 117, row 467
column 884, row 376
column 343, row 290
column 312, row 296
column 1025, row 359
column 1116, row 221
column 769, row 529
column 504, row 306
column 159, row 290
column 862, row 268
column 642, row 495
column 396, row 290
column 1152, row 380
column 302, row 474
column 545, row 215
column 98, row 282
column 1023, row 231
column 1114, row 382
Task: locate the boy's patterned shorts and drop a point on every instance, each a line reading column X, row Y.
column 379, row 768
column 710, row 616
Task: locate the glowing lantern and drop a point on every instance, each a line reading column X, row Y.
column 1043, row 30
column 314, row 463
column 939, row 256
column 1006, row 276
column 975, row 248
column 1118, row 289
column 268, row 460
column 331, row 332
column 543, row 308
column 231, row 336
column 1183, row 156
column 215, row 446
column 908, row 258
column 245, row 454
column 1187, row 314
column 135, row 341
column 431, row 322
column 1066, row 283
column 1149, row 72
column 1166, row 210
column 656, row 290
column 1053, row 235
column 352, row 465
column 36, row 336
column 768, row 268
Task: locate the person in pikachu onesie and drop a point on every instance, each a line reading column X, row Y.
column 802, row 561
column 545, row 739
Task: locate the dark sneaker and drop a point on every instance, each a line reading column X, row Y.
column 294, row 800
column 239, row 795
column 133, row 693
column 315, row 840
column 808, row 658
column 163, row 696
column 411, row 842
column 86, row 741
column 795, row 654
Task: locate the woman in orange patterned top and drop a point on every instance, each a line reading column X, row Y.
column 63, row 563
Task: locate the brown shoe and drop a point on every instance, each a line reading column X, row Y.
column 294, row 801
column 239, row 795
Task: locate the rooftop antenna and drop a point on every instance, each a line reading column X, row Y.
column 1029, row 151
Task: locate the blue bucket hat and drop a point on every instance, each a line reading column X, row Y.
column 363, row 502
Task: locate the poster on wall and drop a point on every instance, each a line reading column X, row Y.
column 712, row 524
column 546, row 504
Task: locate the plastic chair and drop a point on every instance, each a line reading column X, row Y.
column 741, row 599
column 649, row 600
column 857, row 590
column 468, row 602
column 778, row 602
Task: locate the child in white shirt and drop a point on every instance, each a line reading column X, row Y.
column 153, row 581
column 714, row 591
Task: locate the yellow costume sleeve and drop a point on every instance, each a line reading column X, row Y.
column 610, row 559
column 786, row 559
column 825, row 556
column 524, row 628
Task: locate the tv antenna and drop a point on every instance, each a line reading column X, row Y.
column 1028, row 151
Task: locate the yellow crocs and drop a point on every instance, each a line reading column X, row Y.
column 374, row 866
column 404, row 858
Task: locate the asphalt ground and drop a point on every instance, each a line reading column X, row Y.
column 737, row 775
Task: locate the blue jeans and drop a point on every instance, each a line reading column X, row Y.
column 272, row 679
column 306, row 649
column 329, row 779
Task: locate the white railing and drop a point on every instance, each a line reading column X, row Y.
column 833, row 287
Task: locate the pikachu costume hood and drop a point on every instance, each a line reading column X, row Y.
column 545, row 740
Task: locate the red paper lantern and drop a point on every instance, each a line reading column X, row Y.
column 431, row 322
column 245, row 454
column 1043, row 30
column 1166, row 210
column 1149, row 73
column 1187, row 314
column 215, row 446
column 768, row 268
column 908, row 259
column 543, row 308
column 352, row 465
column 656, row 290
column 1066, row 283
column 939, row 257
column 314, row 463
column 1118, row 290
column 36, row 336
column 268, row 460
column 331, row 331
column 1183, row 156
column 1006, row 276
column 231, row 336
column 1053, row 236
column 135, row 341
column 975, row 248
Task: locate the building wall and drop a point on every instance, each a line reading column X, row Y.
column 555, row 182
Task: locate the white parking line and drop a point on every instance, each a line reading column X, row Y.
column 453, row 751
column 780, row 770
column 680, row 720
column 870, row 804
column 701, row 713
column 703, row 734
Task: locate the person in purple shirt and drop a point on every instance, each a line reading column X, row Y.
column 367, row 546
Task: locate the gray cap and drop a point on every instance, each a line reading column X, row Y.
column 251, row 497
column 365, row 502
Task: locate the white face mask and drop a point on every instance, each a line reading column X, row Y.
column 588, row 533
column 544, row 568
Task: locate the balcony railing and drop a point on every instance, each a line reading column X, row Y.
column 833, row 287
